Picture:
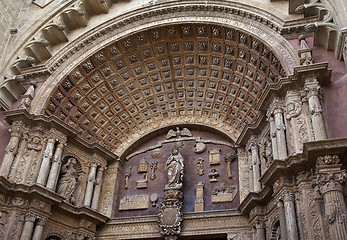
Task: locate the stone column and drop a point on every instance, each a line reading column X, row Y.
column 199, row 197
column 282, row 218
column 90, row 185
column 11, row 149
column 251, row 181
column 56, row 164
column 329, row 180
column 313, row 92
column 28, row 226
column 260, row 230
column 289, row 210
column 46, row 162
column 273, row 137
column 97, row 188
column 280, row 134
column 256, row 166
column 39, row 229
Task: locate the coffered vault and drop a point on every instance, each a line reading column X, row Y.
column 212, row 74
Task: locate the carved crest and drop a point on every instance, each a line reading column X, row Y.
column 170, row 217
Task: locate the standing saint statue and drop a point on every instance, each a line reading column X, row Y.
column 68, row 180
column 174, row 166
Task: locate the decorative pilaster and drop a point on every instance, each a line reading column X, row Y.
column 329, row 180
column 97, row 188
column 280, row 132
column 90, row 185
column 109, row 192
column 256, row 166
column 11, row 149
column 46, row 162
column 28, row 226
column 39, row 228
column 289, row 210
column 56, row 164
column 314, row 92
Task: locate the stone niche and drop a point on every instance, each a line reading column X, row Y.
column 135, row 201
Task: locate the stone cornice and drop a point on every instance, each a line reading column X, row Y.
column 212, row 222
column 254, row 199
column 54, row 122
column 304, row 161
column 38, row 192
column 319, row 71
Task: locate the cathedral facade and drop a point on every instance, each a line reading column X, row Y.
column 173, row 119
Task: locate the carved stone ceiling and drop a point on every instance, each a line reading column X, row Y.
column 203, row 71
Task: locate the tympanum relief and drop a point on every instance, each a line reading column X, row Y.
column 184, row 166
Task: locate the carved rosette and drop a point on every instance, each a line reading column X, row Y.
column 170, row 217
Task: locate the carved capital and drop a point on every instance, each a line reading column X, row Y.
column 41, row 221
column 330, row 181
column 288, row 197
column 259, row 224
column 30, row 217
column 312, row 88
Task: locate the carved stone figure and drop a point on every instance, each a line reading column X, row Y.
column 33, row 147
column 68, row 180
column 127, row 176
column 174, row 166
column 293, row 109
column 267, row 153
column 178, row 133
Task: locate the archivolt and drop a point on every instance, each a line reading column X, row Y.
column 133, row 79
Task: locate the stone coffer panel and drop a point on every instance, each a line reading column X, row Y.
column 144, row 174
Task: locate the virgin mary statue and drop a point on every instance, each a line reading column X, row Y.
column 174, row 166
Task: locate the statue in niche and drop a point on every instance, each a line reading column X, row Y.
column 267, row 153
column 68, row 181
column 174, row 166
column 178, row 133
